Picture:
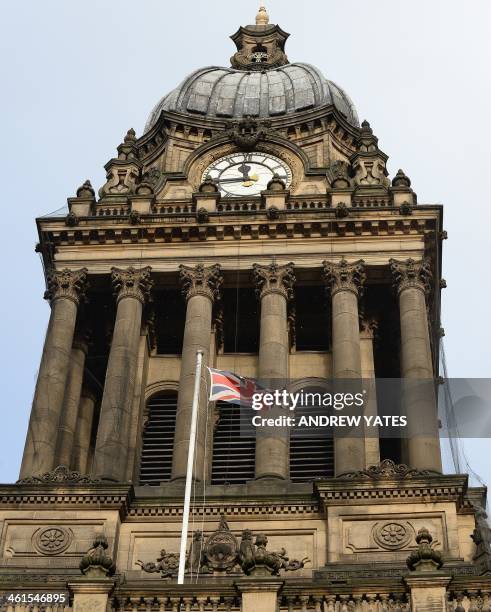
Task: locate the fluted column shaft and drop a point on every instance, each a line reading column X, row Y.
column 132, row 289
column 201, row 287
column 65, row 290
column 412, row 283
column 68, row 422
column 81, row 446
column 275, row 287
column 345, row 282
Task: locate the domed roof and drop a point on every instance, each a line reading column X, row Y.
column 216, row 92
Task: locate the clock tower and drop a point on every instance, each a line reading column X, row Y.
column 253, row 220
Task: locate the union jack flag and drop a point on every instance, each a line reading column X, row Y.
column 229, row 387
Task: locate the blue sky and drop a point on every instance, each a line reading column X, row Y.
column 76, row 75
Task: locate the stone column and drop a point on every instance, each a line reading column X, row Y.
column 200, row 287
column 345, row 282
column 412, row 281
column 71, row 401
column 81, row 446
column 65, row 290
column 367, row 333
column 274, row 285
column 132, row 289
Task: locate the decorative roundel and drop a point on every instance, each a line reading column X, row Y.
column 246, row 174
column 391, row 535
column 52, row 540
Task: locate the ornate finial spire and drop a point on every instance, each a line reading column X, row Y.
column 262, row 17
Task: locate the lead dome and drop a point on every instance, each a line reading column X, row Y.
column 260, row 83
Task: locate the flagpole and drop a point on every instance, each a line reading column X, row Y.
column 189, row 473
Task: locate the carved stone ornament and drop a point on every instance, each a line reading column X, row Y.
column 401, row 180
column 52, row 540
column 256, row 560
column 406, row 209
column 86, row 190
column 247, row 132
column 61, row 474
column 338, row 174
column 167, row 564
column 341, row 210
column 152, row 176
column 208, row 186
column 369, row 162
column 67, row 284
column 344, row 276
column 274, row 279
column 411, row 274
column 202, row 216
column 392, row 535
column 425, row 558
column 134, row 217
column 201, row 280
column 221, row 549
column 71, row 220
column 387, row 469
column 131, row 282
column 221, row 553
column 481, row 536
column 97, row 563
column 276, row 184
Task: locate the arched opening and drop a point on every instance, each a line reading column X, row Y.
column 158, row 439
column 259, row 54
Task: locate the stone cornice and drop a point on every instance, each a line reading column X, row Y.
column 361, row 490
column 231, row 508
column 116, row 231
column 50, row 496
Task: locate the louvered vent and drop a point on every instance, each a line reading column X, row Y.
column 310, row 458
column 233, row 454
column 158, row 439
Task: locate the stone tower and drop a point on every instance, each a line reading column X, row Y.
column 254, row 220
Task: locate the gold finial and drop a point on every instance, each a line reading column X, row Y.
column 262, row 17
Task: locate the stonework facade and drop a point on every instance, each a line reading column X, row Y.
column 254, row 220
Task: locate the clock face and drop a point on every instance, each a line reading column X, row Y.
column 246, row 174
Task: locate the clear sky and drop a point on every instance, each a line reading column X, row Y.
column 75, row 75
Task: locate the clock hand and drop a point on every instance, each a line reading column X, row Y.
column 252, row 178
column 245, row 171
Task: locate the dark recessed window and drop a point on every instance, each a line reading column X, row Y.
column 170, row 316
column 233, row 453
column 240, row 320
column 311, row 458
column 158, row 439
column 312, row 323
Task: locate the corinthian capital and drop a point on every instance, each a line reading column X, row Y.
column 68, row 284
column 132, row 283
column 344, row 276
column 201, row 280
column 274, row 279
column 411, row 273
